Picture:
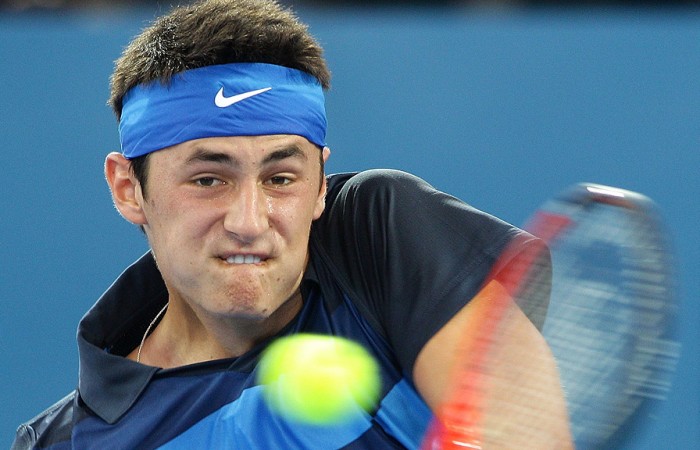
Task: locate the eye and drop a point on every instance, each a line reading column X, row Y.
column 279, row 180
column 208, row 182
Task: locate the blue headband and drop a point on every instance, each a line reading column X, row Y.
column 241, row 99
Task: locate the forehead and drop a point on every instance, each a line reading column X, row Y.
column 239, row 150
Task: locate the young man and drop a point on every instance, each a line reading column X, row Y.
column 222, row 123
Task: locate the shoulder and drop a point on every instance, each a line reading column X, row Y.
column 398, row 202
column 51, row 426
column 378, row 198
column 368, row 182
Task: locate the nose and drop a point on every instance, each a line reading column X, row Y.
column 247, row 215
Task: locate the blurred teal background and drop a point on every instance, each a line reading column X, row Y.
column 502, row 108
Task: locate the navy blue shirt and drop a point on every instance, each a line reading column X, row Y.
column 391, row 261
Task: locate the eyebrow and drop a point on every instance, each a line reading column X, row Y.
column 291, row 151
column 204, row 155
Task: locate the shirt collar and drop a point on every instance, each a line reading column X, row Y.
column 109, row 383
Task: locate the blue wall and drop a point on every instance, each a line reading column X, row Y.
column 501, row 110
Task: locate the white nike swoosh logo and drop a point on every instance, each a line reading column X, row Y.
column 224, row 102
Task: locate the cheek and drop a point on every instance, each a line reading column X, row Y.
column 293, row 219
column 320, row 206
column 177, row 217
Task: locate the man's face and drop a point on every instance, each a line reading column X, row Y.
column 228, row 220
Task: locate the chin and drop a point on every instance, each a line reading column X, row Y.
column 250, row 308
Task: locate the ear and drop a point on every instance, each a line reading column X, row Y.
column 321, row 201
column 126, row 190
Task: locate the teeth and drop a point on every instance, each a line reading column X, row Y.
column 243, row 259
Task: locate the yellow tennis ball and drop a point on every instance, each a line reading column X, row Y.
column 318, row 379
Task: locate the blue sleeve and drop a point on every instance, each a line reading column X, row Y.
column 407, row 254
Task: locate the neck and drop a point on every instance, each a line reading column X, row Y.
column 183, row 337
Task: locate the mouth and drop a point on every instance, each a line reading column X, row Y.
column 242, row 259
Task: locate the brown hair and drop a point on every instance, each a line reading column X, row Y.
column 214, row 32
column 217, row 32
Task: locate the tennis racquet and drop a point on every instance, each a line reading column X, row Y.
column 608, row 268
